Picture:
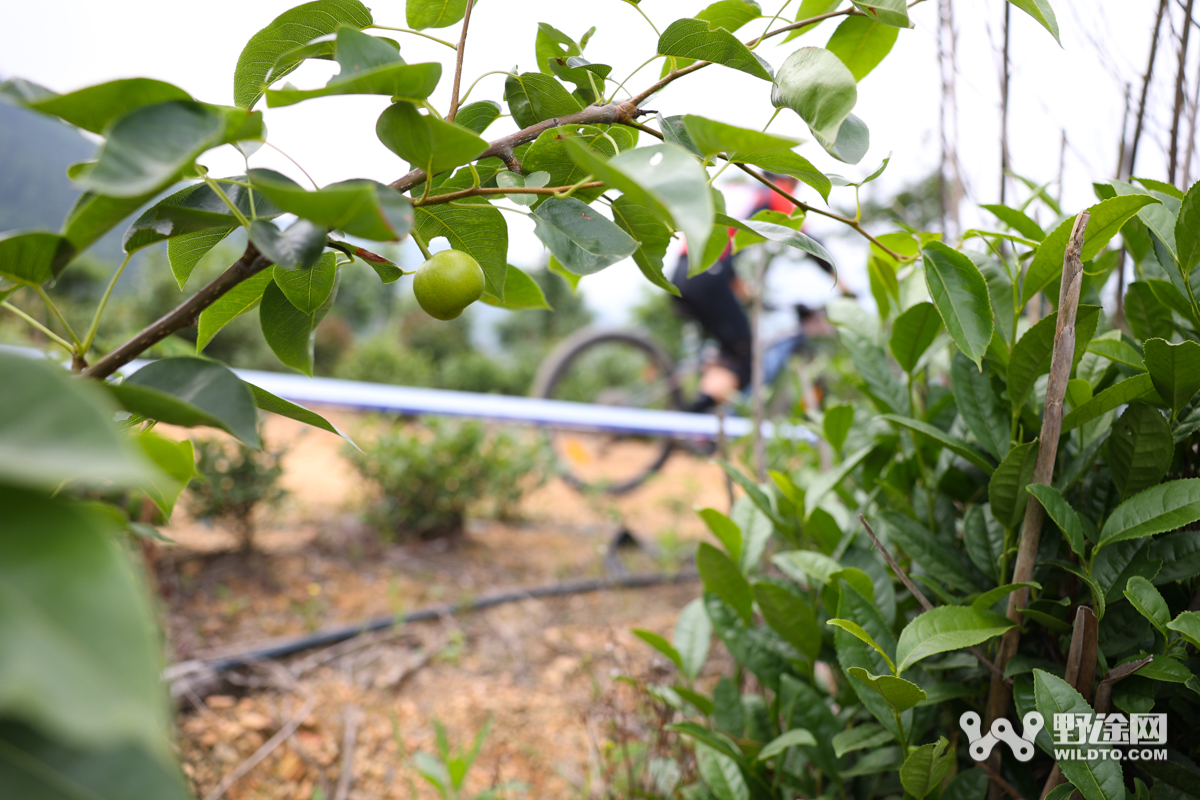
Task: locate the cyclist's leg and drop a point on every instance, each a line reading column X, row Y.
column 710, row 300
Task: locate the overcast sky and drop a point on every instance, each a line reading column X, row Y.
column 1078, row 88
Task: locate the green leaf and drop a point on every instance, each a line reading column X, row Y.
column 1187, row 231
column 177, row 463
column 1032, row 354
column 1187, row 625
column 693, row 637
column 871, row 363
column 400, row 81
column 899, row 693
column 815, row 84
column 479, row 231
column 864, row 736
column 203, row 391
column 725, row 529
column 94, row 108
column 1096, row 780
column 277, row 405
column 1128, row 390
column 35, row 766
column 308, row 289
column 660, row 644
column 739, row 144
column 478, row 116
column 237, row 301
column 693, row 38
column 184, row 252
column 971, row 784
column 35, row 257
column 730, row 14
column 852, row 142
column 582, row 239
column 663, row 178
column 422, row 14
column 1006, row 489
column 946, row 564
column 299, row 247
column 854, row 629
column 826, row 481
column 290, row 30
column 951, row 443
column 426, row 142
column 780, row 234
column 806, row 567
column 1140, row 448
column 1116, row 350
column 148, row 149
column 653, row 237
column 193, row 209
column 984, row 540
column 549, row 154
column 94, row 215
column 521, row 293
column 1063, row 515
column 721, row 774
column 57, row 429
column 1148, row 317
column 361, row 208
column 926, row 768
column 1149, row 603
column 799, row 167
column 78, row 653
column 913, row 332
column 533, row 97
column 947, row 628
column 979, row 407
column 790, row 616
column 722, row 577
column 1018, row 221
column 837, row 423
column 717, row 741
column 889, row 12
column 1160, row 508
column 862, row 43
column 1107, row 218
column 809, row 9
column 960, row 293
column 1175, row 370
column 796, row 736
column 1041, row 11
column 288, row 330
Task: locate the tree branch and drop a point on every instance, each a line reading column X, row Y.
column 183, row 316
column 487, row 191
column 462, row 46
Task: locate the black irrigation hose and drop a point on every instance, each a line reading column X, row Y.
column 333, row 635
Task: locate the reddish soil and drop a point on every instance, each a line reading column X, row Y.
column 542, row 670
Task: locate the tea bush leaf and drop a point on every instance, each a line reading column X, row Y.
column 1032, row 353
column 1175, row 370
column 1149, row 603
column 693, row 637
column 725, row 529
column 926, row 767
column 717, row 741
column 1128, row 390
column 1160, row 508
column 979, row 407
column 1140, row 449
column 984, row 540
column 1096, row 780
column 913, row 332
column 790, row 616
column 1118, row 351
column 722, row 577
column 960, row 293
column 946, row 564
column 692, row 38
column 1018, row 221
column 951, row 443
column 1187, row 231
column 1006, row 489
column 1063, row 515
column 1148, row 317
column 779, row 744
column 836, row 424
column 863, row 736
column 1113, row 566
column 872, row 366
column 856, row 630
column 1187, row 625
column 946, row 628
column 660, row 644
column 900, row 694
column 721, row 774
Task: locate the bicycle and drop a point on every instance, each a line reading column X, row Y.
column 629, row 369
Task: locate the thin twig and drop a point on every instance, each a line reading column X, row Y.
column 1141, row 115
column 1180, row 76
column 921, row 598
column 458, row 63
column 268, row 747
column 349, row 742
column 482, row 191
column 250, row 264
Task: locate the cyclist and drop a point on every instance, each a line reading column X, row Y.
column 714, row 300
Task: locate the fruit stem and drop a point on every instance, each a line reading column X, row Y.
column 421, row 246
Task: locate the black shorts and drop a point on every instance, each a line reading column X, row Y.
column 708, row 298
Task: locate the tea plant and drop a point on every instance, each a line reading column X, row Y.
column 233, row 482
column 80, row 701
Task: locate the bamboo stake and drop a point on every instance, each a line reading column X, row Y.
column 1180, row 79
column 1000, row 693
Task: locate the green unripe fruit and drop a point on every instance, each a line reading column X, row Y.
column 447, row 283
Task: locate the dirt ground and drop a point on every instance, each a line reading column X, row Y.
column 349, row 718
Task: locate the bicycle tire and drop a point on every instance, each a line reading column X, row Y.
column 556, row 366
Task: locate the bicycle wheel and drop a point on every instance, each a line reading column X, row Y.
column 609, row 368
